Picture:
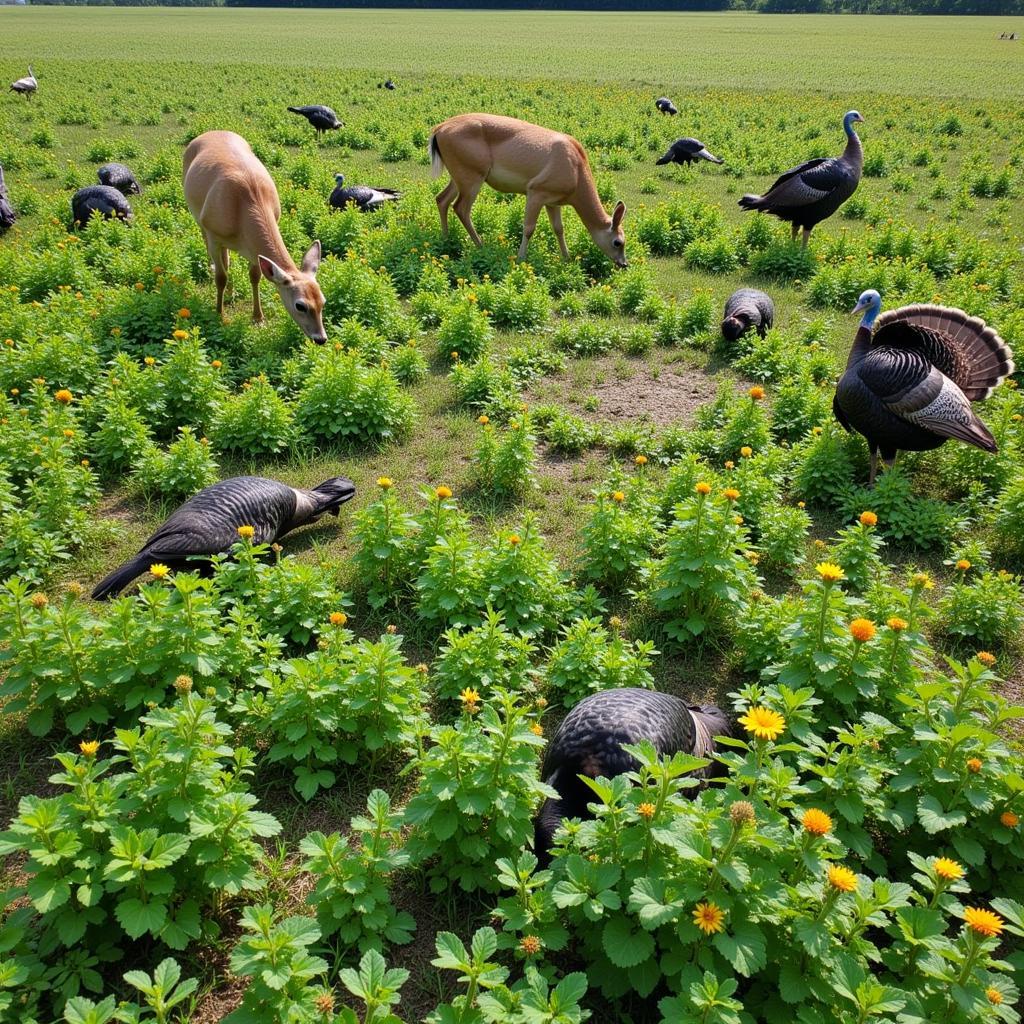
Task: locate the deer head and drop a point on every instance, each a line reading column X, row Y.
column 300, row 292
column 610, row 239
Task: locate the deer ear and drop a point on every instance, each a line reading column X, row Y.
column 311, row 261
column 271, row 271
column 620, row 212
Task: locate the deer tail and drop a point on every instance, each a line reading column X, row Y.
column 436, row 163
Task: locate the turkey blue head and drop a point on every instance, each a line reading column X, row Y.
column 340, row 179
column 869, row 303
column 850, row 119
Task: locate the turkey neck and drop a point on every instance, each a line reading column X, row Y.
column 861, row 345
column 854, row 152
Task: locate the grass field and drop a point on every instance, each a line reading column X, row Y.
column 606, row 397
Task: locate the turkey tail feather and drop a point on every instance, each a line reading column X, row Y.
column 750, row 202
column 113, row 584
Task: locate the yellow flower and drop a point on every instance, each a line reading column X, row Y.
column 729, row 464
column 63, row 396
column 868, row 519
column 89, row 747
column 764, row 723
column 69, row 433
column 618, row 496
column 470, row 699
column 1009, row 819
column 896, row 624
column 829, row 572
column 158, row 570
column 384, row 482
column 746, row 451
column 986, row 658
column 922, row 580
column 801, row 504
column 983, row 922
column 708, row 917
column 15, row 392
column 702, row 488
column 537, row 729
column 443, row 492
column 862, row 630
column 530, row 945
column 816, row 431
column 646, row 810
column 246, row 532
column 183, row 684
column 179, row 335
column 948, row 869
column 139, row 286
column 615, row 622
column 455, row 356
column 641, row 460
column 756, row 393
column 994, row 996
column 818, row 823
column 149, row 361
column 483, row 420
column 338, row 618
column 963, row 565
column 515, row 540
column 216, row 364
column 731, row 493
column 974, row 765
column 841, row 878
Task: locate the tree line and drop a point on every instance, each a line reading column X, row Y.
column 993, row 7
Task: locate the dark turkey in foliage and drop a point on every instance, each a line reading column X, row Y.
column 808, row 194
column 589, row 742
column 119, row 176
column 322, row 118
column 98, row 200
column 208, row 522
column 747, row 309
column 7, row 214
column 688, row 151
column 665, row 105
column 362, row 196
column 912, row 376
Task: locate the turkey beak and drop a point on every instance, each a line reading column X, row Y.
column 860, row 307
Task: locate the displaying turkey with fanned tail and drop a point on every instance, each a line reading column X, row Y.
column 688, row 151
column 808, row 194
column 589, row 742
column 207, row 524
column 7, row 214
column 912, row 376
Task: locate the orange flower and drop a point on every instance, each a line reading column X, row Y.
column 325, row 1003
column 646, row 810
column 841, row 878
column 443, row 493
column 515, row 540
column 709, row 918
column 483, row 420
column 896, row 624
column 618, row 496
column 64, row 396
column 641, row 460
column 756, row 393
column 862, row 630
column 818, row 823
column 530, row 945
column 1009, row 819
column 338, row 618
column 974, row 765
column 216, row 364
column 963, row 565
column 729, row 464
column 868, row 519
column 994, row 996
column 702, row 488
column 731, row 493
column 179, row 335
column 184, row 313
column 986, row 658
column 983, row 922
column 537, row 729
column 948, row 869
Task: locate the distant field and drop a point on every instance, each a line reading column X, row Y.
column 952, row 56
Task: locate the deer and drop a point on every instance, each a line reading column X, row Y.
column 234, row 201
column 548, row 167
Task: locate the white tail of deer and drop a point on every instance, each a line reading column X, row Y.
column 549, row 168
column 235, row 203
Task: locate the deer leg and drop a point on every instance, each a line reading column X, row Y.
column 225, row 259
column 220, row 273
column 444, row 200
column 254, row 279
column 464, row 208
column 555, row 216
column 534, row 203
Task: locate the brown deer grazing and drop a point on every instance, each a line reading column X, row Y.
column 549, row 168
column 235, row 203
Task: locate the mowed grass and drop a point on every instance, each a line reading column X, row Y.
column 933, row 56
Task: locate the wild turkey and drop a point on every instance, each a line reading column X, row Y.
column 747, row 308
column 7, row 214
column 390, row 86
column 27, row 85
column 322, row 118
column 808, row 194
column 911, row 378
column 99, row 200
column 589, row 742
column 665, row 105
column 362, row 196
column 208, row 522
column 688, row 151
column 119, row 176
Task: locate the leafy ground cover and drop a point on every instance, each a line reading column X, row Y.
column 305, row 785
